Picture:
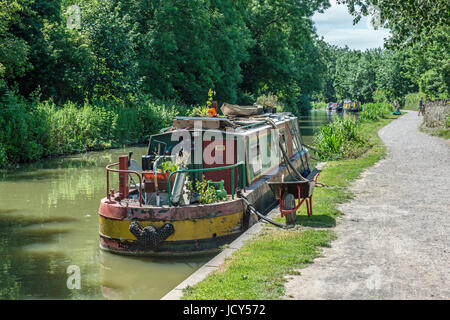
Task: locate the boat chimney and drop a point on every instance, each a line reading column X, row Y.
column 123, row 177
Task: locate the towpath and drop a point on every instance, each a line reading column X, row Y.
column 394, row 237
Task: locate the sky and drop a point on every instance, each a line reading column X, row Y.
column 335, row 25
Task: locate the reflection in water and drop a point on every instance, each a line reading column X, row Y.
column 311, row 121
column 123, row 277
column 48, row 221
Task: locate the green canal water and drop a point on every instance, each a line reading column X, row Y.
column 48, row 222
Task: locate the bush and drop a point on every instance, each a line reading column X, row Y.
column 343, row 137
column 374, row 111
column 32, row 130
column 153, row 116
column 19, row 134
column 379, row 96
column 338, row 139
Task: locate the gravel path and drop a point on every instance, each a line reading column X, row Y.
column 394, row 237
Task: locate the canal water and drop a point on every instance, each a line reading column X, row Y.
column 49, row 228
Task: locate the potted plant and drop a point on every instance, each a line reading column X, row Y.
column 163, row 173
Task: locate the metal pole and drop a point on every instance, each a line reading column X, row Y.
column 123, row 177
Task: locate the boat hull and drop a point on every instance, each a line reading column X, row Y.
column 199, row 229
column 168, row 248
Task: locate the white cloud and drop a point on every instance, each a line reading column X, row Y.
column 335, row 25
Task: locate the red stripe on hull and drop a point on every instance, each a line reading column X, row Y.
column 120, row 211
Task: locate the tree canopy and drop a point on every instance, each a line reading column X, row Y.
column 168, row 49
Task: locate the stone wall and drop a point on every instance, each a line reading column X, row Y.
column 435, row 112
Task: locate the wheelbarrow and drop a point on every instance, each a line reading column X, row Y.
column 289, row 191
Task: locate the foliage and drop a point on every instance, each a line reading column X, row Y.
column 375, row 111
column 318, row 105
column 127, row 56
column 199, row 111
column 407, row 20
column 169, row 166
column 379, row 96
column 392, row 75
column 337, row 138
column 3, row 157
column 432, row 85
column 270, row 100
column 267, row 100
column 357, row 75
column 33, row 129
column 206, row 193
column 283, row 59
column 202, row 111
column 343, row 138
column 112, row 37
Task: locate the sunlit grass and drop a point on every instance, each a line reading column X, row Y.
column 257, row 270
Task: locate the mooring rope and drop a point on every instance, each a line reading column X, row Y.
column 252, row 208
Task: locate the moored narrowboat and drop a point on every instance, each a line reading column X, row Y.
column 353, row 106
column 185, row 197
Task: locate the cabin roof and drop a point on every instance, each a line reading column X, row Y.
column 240, row 124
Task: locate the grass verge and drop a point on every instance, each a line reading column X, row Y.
column 437, row 132
column 258, row 270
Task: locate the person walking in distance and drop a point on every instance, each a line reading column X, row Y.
column 421, row 107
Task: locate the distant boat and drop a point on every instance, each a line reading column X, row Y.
column 353, row 106
column 332, row 106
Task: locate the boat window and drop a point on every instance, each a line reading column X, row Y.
column 283, row 139
column 256, row 152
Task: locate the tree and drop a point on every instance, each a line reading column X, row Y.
column 392, row 75
column 284, row 59
column 14, row 51
column 428, row 62
column 38, row 52
column 408, row 20
column 111, row 34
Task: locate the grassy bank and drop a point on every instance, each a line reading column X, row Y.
column 32, row 129
column 259, row 269
column 345, row 138
column 441, row 132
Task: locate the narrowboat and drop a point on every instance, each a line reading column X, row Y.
column 353, row 106
column 332, row 106
column 186, row 195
